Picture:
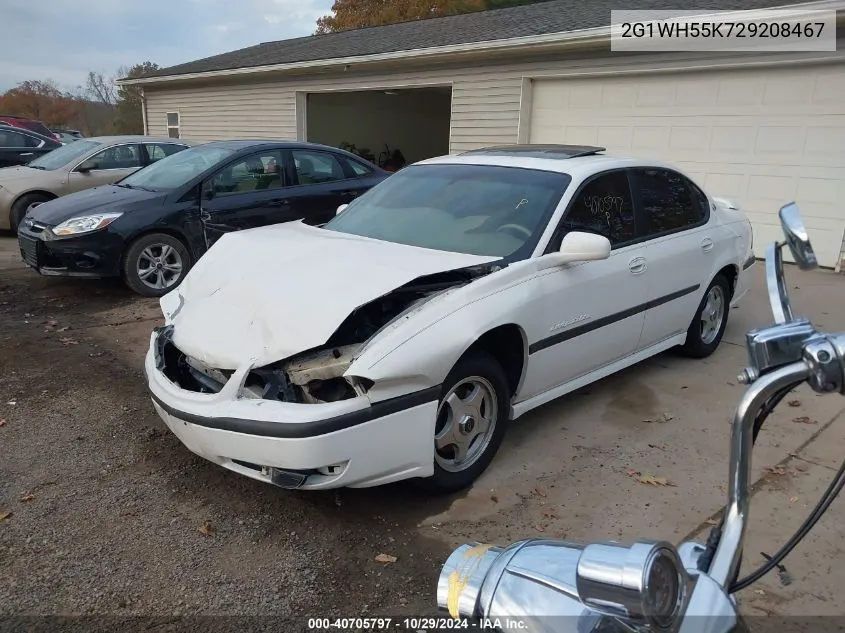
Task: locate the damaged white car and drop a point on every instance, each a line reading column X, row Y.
column 400, row 339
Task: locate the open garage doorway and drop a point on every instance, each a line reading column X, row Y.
column 390, row 127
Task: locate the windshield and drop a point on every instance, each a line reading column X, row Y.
column 472, row 209
column 177, row 169
column 64, row 155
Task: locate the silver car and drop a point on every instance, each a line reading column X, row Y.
column 86, row 163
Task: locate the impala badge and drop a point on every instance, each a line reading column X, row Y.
column 568, row 322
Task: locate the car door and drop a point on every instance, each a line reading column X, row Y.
column 109, row 165
column 249, row 192
column 590, row 314
column 18, row 148
column 680, row 245
column 156, row 151
column 322, row 181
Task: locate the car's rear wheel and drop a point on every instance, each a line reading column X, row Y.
column 472, row 417
column 708, row 326
column 155, row 264
column 24, row 205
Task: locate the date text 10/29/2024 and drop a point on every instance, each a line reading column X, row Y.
column 415, row 624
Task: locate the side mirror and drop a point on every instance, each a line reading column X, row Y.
column 341, row 208
column 797, row 238
column 87, row 166
column 578, row 246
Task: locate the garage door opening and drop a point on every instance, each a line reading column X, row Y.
column 390, row 127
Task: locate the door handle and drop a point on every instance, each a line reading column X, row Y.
column 637, row 265
column 278, row 202
column 28, row 154
column 707, row 244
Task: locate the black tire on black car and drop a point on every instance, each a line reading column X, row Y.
column 150, row 264
column 708, row 325
column 478, row 373
column 22, row 205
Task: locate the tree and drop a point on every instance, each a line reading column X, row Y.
column 129, row 119
column 357, row 14
column 41, row 100
column 99, row 88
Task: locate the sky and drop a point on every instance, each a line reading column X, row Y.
column 64, row 39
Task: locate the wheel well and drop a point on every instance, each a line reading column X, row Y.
column 167, row 231
column 730, row 272
column 37, row 192
column 506, row 344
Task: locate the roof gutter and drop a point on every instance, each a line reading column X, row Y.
column 563, row 39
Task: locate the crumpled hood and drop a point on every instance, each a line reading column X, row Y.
column 263, row 295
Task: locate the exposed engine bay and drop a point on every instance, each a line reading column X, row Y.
column 316, row 375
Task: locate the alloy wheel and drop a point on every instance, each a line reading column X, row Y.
column 712, row 315
column 159, row 266
column 466, row 421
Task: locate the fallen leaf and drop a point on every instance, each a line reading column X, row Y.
column 712, row 522
column 804, row 420
column 794, row 403
column 538, row 492
column 63, row 329
column 549, row 514
column 560, row 535
column 760, row 591
column 648, row 420
column 30, row 496
column 68, row 341
column 386, row 558
column 205, row 528
column 631, row 472
column 659, row 447
column 2, row 422
column 539, row 528
column 5, row 515
column 775, row 470
column 494, row 498
column 667, row 417
column 723, row 489
column 52, row 323
column 793, row 499
column 648, row 478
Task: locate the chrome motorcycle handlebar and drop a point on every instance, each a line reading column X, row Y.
column 649, row 585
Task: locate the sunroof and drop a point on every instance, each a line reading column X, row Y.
column 538, row 151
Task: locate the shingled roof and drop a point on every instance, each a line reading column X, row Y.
column 541, row 18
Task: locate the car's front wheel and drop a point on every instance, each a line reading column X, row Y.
column 24, row 205
column 707, row 327
column 472, row 417
column 155, row 264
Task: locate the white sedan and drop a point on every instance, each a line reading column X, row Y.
column 402, row 338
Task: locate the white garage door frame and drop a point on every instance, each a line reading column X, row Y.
column 302, row 98
column 682, row 67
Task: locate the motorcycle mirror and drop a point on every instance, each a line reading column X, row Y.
column 797, row 238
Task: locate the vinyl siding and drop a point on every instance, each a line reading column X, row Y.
column 485, row 99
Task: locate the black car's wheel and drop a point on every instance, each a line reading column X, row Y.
column 707, row 327
column 23, row 205
column 155, row 264
column 472, row 417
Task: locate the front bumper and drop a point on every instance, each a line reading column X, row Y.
column 96, row 255
column 350, row 443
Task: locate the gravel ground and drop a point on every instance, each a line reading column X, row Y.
column 112, row 516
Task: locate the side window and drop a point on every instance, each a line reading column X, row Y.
column 359, row 169
column 10, row 138
column 667, row 201
column 118, row 157
column 256, row 172
column 316, row 167
column 31, row 141
column 603, row 206
column 157, row 151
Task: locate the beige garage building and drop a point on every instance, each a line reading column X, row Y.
column 761, row 128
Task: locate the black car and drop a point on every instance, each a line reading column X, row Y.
column 151, row 226
column 19, row 146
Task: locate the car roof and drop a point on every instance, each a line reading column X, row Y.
column 578, row 161
column 241, row 144
column 136, row 138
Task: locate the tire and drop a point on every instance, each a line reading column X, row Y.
column 22, row 205
column 477, row 371
column 706, row 330
column 161, row 254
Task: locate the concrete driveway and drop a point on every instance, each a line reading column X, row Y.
column 118, row 502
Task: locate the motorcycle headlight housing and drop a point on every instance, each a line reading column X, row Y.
column 644, row 582
column 85, row 224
